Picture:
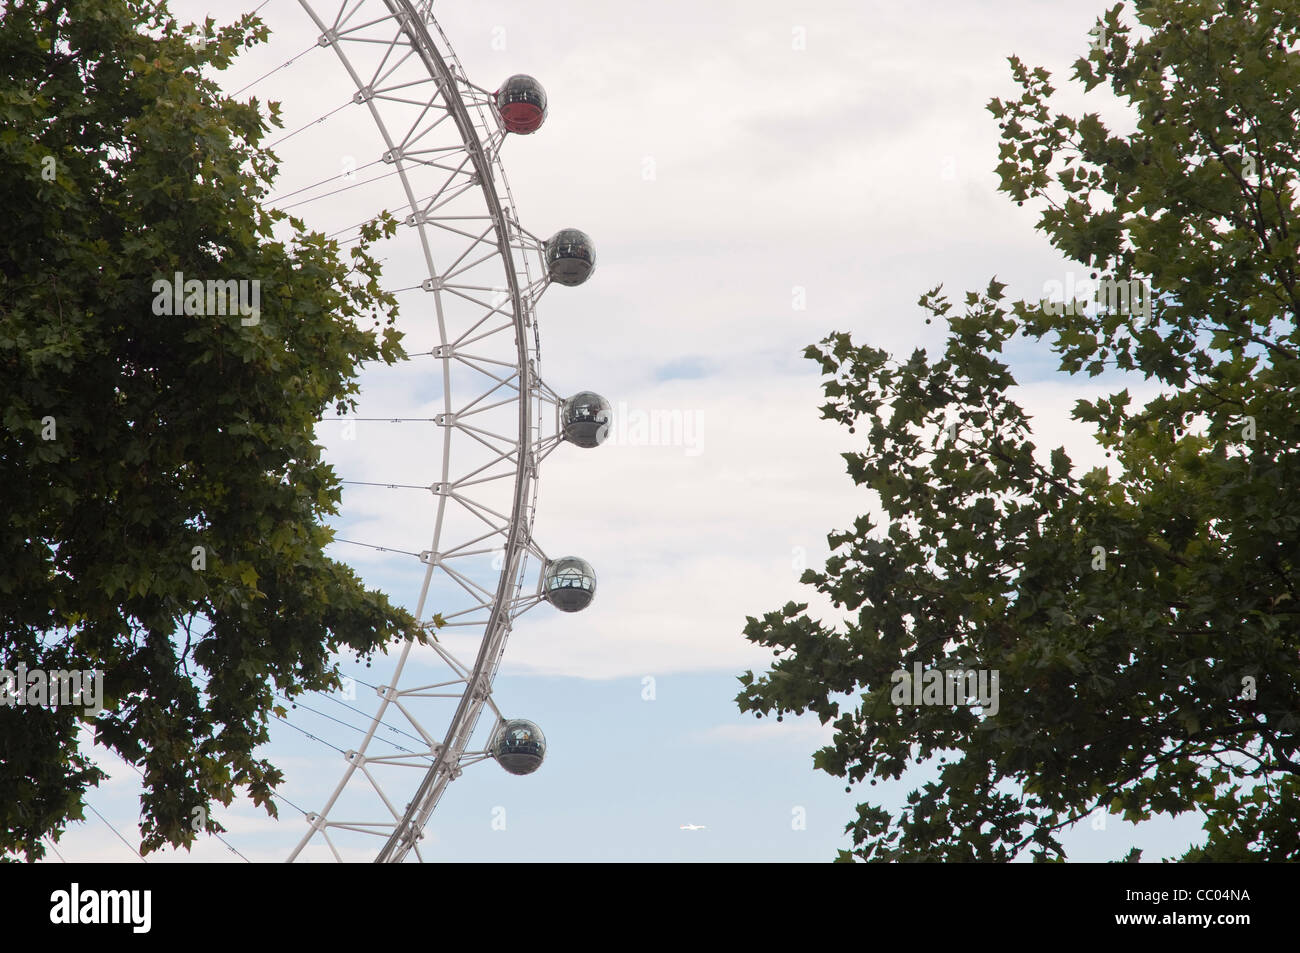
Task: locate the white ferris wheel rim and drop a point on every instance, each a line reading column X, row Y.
column 415, row 33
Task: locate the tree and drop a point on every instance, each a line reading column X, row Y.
column 163, row 491
column 1142, row 616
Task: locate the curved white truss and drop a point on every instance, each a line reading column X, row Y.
column 442, row 139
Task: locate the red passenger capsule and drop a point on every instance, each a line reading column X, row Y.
column 521, row 101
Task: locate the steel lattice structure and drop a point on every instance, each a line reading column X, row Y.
column 442, row 137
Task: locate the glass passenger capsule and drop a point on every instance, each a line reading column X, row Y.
column 585, row 419
column 521, row 101
column 570, row 256
column 519, row 746
column 569, row 584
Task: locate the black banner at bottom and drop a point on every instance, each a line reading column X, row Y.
column 148, row 902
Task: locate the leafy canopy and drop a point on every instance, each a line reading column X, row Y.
column 122, row 163
column 1142, row 616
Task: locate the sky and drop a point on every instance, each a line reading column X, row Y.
column 755, row 176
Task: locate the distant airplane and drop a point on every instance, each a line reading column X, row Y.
column 692, row 827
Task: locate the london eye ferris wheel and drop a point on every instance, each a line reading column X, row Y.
column 469, row 276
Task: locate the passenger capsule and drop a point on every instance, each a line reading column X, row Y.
column 521, row 101
column 519, row 746
column 569, row 584
column 585, row 419
column 570, row 256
